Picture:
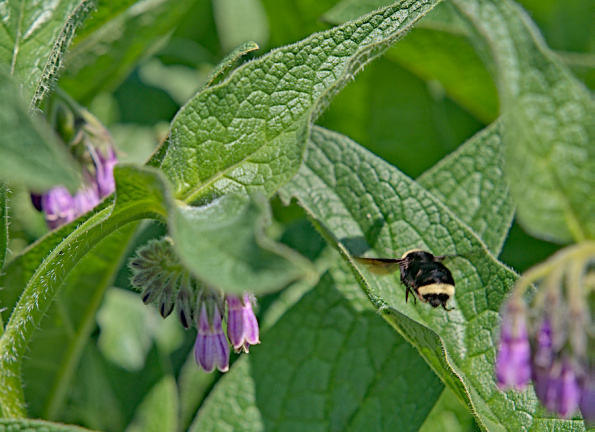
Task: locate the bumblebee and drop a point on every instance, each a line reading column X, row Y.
column 422, row 273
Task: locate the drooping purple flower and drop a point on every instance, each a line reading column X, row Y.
column 513, row 362
column 558, row 388
column 59, row 207
column 569, row 392
column 242, row 326
column 104, row 165
column 544, row 354
column 211, row 348
column 543, row 359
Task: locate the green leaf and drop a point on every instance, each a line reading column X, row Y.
column 449, row 414
column 547, row 124
column 33, row 39
column 55, row 351
column 159, row 410
column 329, row 364
column 226, row 246
column 29, row 425
column 129, row 328
column 450, row 59
column 367, row 204
column 30, row 153
column 249, row 133
column 194, row 384
column 229, row 60
column 472, row 184
column 103, row 55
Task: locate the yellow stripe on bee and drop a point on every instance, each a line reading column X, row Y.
column 437, row 288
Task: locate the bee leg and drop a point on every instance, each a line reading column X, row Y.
column 447, row 309
column 407, row 296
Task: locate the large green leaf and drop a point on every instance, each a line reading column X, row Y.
column 129, row 329
column 249, row 133
column 29, row 425
column 33, row 39
column 547, row 123
column 472, row 184
column 30, row 153
column 329, row 364
column 55, row 351
column 213, row 241
column 159, row 410
column 125, row 32
column 360, row 202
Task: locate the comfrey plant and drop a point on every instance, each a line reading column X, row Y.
column 548, row 342
column 234, row 176
column 165, row 283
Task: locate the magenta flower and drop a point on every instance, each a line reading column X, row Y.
column 242, row 327
column 211, row 347
column 513, row 362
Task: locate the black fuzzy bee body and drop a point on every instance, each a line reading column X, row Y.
column 422, row 273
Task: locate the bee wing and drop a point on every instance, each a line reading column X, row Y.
column 381, row 266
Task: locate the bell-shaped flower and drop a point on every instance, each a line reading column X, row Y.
column 513, row 362
column 211, row 349
column 242, row 326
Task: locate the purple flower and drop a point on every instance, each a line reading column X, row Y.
column 544, row 354
column 558, row 388
column 513, row 362
column 569, row 392
column 242, row 327
column 543, row 360
column 59, row 207
column 104, row 166
column 211, row 347
column 85, row 200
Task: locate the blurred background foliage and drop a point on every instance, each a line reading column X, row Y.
column 414, row 105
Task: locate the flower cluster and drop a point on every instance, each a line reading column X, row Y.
column 92, row 144
column 547, row 343
column 164, row 282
